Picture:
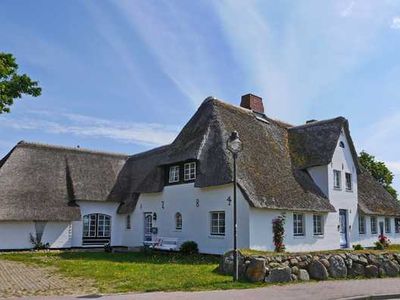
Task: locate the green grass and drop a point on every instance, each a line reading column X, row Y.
column 127, row 272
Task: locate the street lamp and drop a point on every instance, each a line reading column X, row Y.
column 234, row 145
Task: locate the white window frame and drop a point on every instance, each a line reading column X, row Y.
column 99, row 229
column 174, row 174
column 388, row 225
column 318, row 225
column 361, row 224
column 299, row 228
column 217, row 223
column 349, row 182
column 178, row 221
column 337, row 179
column 189, row 171
column 374, row 225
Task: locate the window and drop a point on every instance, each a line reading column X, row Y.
column 374, row 225
column 96, row 229
column 318, row 225
column 349, row 182
column 218, row 223
column 189, row 171
column 361, row 224
column 298, row 225
column 388, row 226
column 337, row 179
column 341, row 145
column 397, row 225
column 178, row 221
column 128, row 222
column 173, row 174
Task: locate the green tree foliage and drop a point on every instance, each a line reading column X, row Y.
column 12, row 85
column 379, row 171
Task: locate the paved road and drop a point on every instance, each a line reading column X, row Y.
column 307, row 291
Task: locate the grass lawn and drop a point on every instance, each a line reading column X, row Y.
column 127, row 272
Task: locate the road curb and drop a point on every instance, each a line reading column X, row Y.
column 374, row 297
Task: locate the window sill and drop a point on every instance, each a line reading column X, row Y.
column 299, row 237
column 216, row 237
column 178, row 230
column 337, row 189
column 318, row 236
column 349, row 191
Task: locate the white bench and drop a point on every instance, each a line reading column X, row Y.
column 166, row 243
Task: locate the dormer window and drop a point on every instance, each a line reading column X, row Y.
column 173, row 174
column 341, row 145
column 189, row 171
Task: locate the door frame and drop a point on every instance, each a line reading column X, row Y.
column 343, row 213
column 148, row 235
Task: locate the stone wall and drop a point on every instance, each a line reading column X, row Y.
column 303, row 267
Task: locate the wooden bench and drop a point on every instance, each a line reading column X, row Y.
column 166, row 243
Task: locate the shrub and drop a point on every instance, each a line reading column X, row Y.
column 278, row 229
column 107, row 248
column 36, row 241
column 189, row 247
column 384, row 241
column 379, row 246
column 358, row 247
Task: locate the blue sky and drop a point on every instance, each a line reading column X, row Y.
column 125, row 76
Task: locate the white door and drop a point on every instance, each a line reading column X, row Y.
column 148, row 224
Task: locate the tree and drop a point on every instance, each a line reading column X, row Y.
column 13, row 85
column 379, row 171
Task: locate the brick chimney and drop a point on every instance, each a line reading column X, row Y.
column 252, row 102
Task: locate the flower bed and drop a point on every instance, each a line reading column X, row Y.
column 303, row 267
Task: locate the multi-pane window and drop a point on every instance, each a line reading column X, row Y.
column 397, row 225
column 218, row 223
column 178, row 221
column 173, row 174
column 189, row 171
column 128, row 222
column 361, row 224
column 96, row 225
column 349, row 182
column 374, row 225
column 388, row 227
column 318, row 225
column 337, row 179
column 298, row 225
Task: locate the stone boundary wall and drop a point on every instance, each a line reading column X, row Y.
column 303, row 267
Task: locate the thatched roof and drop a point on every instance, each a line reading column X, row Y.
column 266, row 175
column 313, row 144
column 42, row 182
column 373, row 199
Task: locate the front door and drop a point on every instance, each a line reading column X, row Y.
column 381, row 226
column 148, row 224
column 343, row 228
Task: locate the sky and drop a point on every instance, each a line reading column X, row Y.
column 125, row 76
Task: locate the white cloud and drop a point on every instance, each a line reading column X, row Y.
column 348, row 10
column 395, row 23
column 149, row 134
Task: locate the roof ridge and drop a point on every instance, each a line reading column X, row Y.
column 59, row 147
column 319, row 122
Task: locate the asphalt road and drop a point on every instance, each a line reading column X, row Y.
column 350, row 289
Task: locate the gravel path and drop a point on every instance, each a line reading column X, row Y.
column 18, row 279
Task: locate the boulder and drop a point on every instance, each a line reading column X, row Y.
column 381, row 272
column 303, row 275
column 295, row 270
column 275, row 265
column 373, row 260
column 317, row 270
column 325, row 262
column 226, row 266
column 279, row 275
column 293, row 277
column 337, row 268
column 391, row 269
column 371, row 271
column 294, row 262
column 256, row 270
column 356, row 270
column 362, row 260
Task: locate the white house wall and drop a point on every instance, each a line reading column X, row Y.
column 368, row 239
column 107, row 208
column 15, row 235
column 195, row 205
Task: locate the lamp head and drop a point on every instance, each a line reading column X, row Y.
column 234, row 144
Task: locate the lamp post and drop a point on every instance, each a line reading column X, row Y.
column 234, row 145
